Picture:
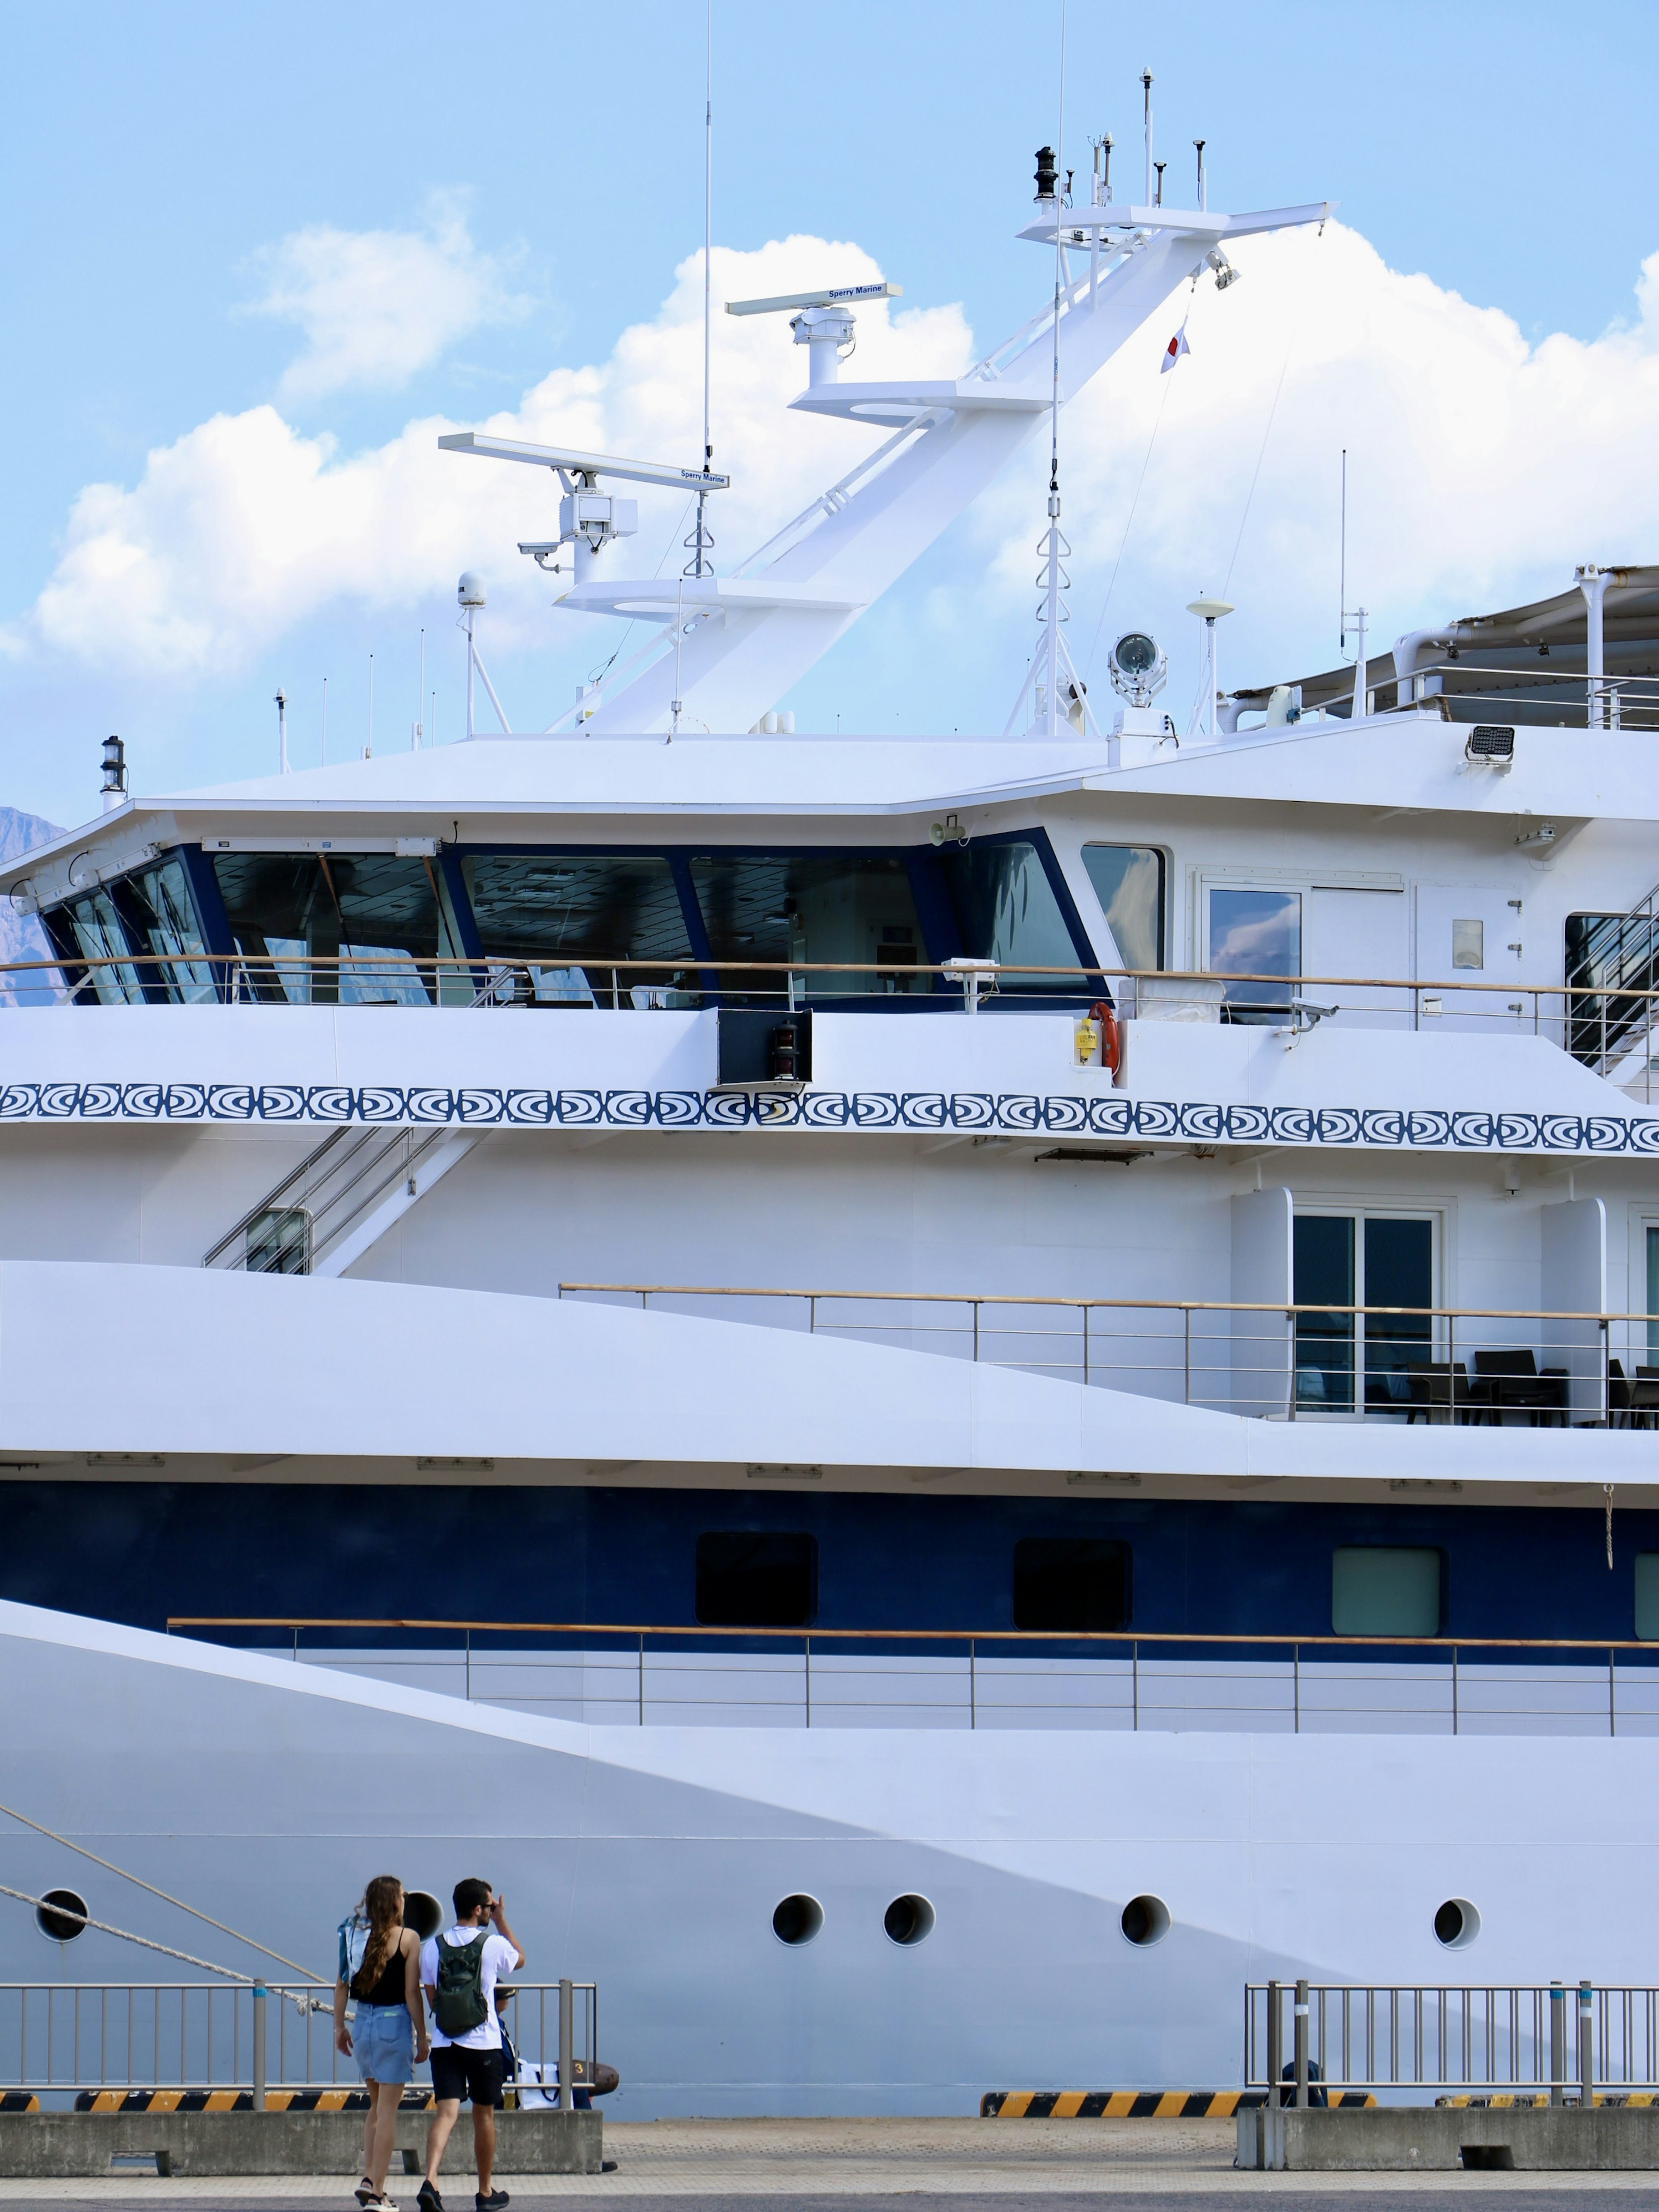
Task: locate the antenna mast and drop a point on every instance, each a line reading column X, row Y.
column 1342, row 562
column 702, row 544
column 1054, row 611
column 1146, row 95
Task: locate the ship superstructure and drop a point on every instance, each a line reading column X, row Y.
column 864, row 1321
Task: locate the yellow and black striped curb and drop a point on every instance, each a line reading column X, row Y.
column 1132, row 2104
column 229, row 2100
column 18, row 2100
column 1525, row 2101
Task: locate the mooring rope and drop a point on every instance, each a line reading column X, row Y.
column 109, row 1867
column 231, row 1973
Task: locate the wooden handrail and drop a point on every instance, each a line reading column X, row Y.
column 923, row 1635
column 468, row 964
column 1150, row 1305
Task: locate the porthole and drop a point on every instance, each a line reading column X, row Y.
column 61, row 1915
column 423, row 1912
column 1456, row 1924
column 1145, row 1920
column 797, row 1919
column 908, row 1919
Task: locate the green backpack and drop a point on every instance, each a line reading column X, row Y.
column 457, row 2000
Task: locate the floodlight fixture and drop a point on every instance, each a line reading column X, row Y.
column 1138, row 668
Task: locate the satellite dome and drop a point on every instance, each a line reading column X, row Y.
column 470, row 591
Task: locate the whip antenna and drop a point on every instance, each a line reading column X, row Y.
column 701, row 543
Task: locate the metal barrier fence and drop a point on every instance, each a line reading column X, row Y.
column 1435, row 1364
column 1571, row 2042
column 204, row 2035
column 1608, row 1022
column 1008, row 1678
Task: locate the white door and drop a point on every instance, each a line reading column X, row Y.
column 1470, row 934
column 1364, row 934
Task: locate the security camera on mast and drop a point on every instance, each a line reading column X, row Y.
column 823, row 321
column 589, row 518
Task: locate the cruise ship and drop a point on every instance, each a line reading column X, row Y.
column 943, row 1398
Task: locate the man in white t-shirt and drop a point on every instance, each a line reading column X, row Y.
column 458, row 1972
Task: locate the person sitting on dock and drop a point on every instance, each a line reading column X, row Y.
column 379, row 1970
column 458, row 1972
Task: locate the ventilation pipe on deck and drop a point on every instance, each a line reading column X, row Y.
column 1593, row 583
column 1406, row 650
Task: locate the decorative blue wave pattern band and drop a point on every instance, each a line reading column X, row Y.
column 1018, row 1113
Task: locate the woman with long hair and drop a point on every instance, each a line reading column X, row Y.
column 379, row 1972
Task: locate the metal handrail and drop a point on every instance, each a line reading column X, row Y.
column 1561, row 2038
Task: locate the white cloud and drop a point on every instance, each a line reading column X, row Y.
column 377, row 305
column 1481, row 468
column 243, row 527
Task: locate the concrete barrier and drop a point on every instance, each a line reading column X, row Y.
column 40, row 2146
column 1418, row 2138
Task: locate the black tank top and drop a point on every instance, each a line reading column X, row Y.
column 389, row 1989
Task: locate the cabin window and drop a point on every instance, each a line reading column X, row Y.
column 756, row 1578
column 1341, row 1259
column 810, row 908
column 368, row 918
column 584, row 913
column 1385, row 1590
column 1006, row 910
column 166, row 916
column 1070, row 1584
column 1128, row 881
column 1647, row 1596
column 1256, row 933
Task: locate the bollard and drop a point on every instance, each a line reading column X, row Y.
column 566, row 2047
column 1301, row 2046
column 258, row 2047
column 1558, row 2043
column 1275, row 2042
column 1586, row 2048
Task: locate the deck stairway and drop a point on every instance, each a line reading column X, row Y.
column 1612, row 964
column 341, row 1200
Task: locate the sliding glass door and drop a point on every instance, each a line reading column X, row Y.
column 1348, row 1361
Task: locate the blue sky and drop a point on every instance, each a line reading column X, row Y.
column 546, row 161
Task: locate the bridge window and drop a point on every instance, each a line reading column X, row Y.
column 1385, row 1590
column 818, row 908
column 586, row 911
column 1006, row 910
column 370, row 919
column 94, row 928
column 166, row 916
column 1070, row 1584
column 1128, row 881
column 756, row 1578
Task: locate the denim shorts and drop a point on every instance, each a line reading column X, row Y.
column 383, row 2043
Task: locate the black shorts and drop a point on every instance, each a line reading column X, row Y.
column 459, row 2074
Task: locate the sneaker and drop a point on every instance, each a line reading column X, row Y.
column 427, row 2198
column 496, row 2201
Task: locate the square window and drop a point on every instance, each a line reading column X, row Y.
column 756, row 1578
column 1385, row 1590
column 1647, row 1596
column 1070, row 1584
column 1469, row 945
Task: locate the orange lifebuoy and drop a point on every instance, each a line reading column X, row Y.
column 1111, row 1044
